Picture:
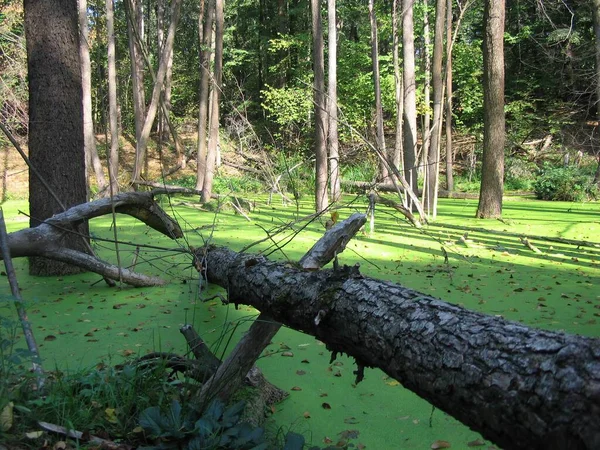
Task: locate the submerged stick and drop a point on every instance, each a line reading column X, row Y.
column 14, row 287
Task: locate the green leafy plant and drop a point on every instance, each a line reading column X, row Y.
column 217, row 428
column 564, row 184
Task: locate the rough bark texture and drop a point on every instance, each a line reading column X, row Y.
column 520, row 387
column 321, row 173
column 492, row 171
column 56, row 144
column 50, row 239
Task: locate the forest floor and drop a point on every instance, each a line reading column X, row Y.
column 79, row 321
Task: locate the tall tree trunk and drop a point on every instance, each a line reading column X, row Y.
column 449, row 149
column 379, row 133
column 205, row 56
column 137, row 67
column 596, row 14
column 426, row 131
column 492, row 171
column 56, row 141
column 433, row 158
column 409, row 134
column 398, row 157
column 321, row 200
column 113, row 154
column 332, row 111
column 213, row 139
column 161, row 25
column 91, row 152
column 142, row 143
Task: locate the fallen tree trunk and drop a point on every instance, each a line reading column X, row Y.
column 389, row 187
column 48, row 238
column 520, row 387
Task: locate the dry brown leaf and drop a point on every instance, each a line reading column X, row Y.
column 476, row 443
column 440, row 444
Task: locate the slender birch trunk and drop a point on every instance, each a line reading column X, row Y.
column 113, row 154
column 410, row 99
column 334, row 155
column 205, row 75
column 321, row 172
column 91, row 152
column 433, row 158
column 449, row 149
column 380, row 138
column 158, row 84
column 137, row 67
column 426, row 131
column 213, row 139
column 398, row 157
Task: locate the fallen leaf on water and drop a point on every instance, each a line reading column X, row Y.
column 476, row 443
column 393, row 383
column 326, row 406
column 305, row 361
column 440, row 444
column 323, row 394
column 327, row 440
column 296, row 388
column 306, row 415
column 50, row 337
column 287, row 354
column 119, row 305
column 361, row 446
column 337, row 374
column 351, row 420
column 300, row 372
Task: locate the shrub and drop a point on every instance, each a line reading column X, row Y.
column 564, row 184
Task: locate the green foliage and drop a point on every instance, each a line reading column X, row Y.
column 217, row 428
column 224, row 184
column 564, row 184
column 108, row 399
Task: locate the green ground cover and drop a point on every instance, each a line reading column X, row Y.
column 80, row 322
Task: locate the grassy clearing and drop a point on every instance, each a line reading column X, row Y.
column 80, row 322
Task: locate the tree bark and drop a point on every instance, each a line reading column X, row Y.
column 56, row 142
column 426, row 131
column 449, row 149
column 142, row 143
column 205, row 53
column 133, row 11
column 398, row 158
column 113, row 153
column 409, row 146
column 321, row 172
column 213, row 138
column 332, row 107
column 492, row 171
column 50, row 238
column 520, row 387
column 379, row 133
column 596, row 14
column 91, row 152
column 433, row 157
